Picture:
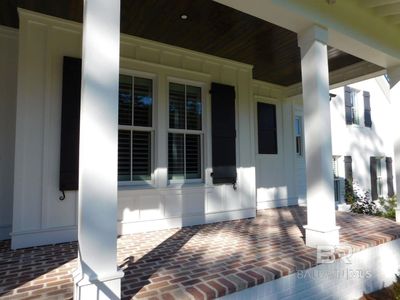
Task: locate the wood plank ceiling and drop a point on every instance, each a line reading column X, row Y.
column 210, row 27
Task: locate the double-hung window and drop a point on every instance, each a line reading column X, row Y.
column 135, row 129
column 357, row 106
column 185, row 133
column 379, row 186
column 298, row 124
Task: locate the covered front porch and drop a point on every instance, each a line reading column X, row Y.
column 281, row 55
column 209, row 261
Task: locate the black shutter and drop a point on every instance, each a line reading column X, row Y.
column 223, row 133
column 70, row 119
column 374, row 189
column 348, row 105
column 389, row 175
column 348, row 170
column 367, row 110
column 348, row 174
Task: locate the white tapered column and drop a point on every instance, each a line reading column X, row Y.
column 394, row 77
column 97, row 276
column 321, row 229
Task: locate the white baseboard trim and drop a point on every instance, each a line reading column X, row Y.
column 178, row 222
column 275, row 203
column 24, row 239
column 369, row 270
column 5, row 231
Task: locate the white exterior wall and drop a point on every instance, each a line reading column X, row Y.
column 40, row 217
column 362, row 142
column 8, row 89
column 275, row 177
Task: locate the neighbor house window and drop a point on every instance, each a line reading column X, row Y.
column 135, row 128
column 357, row 107
column 267, row 132
column 298, row 127
column 185, row 134
column 379, row 186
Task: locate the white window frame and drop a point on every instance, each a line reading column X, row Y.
column 201, row 132
column 151, row 129
column 379, row 176
column 300, row 118
column 357, row 109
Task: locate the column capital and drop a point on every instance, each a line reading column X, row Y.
column 312, row 34
column 394, row 75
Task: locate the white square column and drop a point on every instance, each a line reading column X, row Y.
column 321, row 226
column 394, row 77
column 97, row 276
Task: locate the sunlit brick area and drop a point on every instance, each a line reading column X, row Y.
column 199, row 262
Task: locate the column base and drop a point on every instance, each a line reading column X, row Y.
column 398, row 215
column 106, row 287
column 321, row 237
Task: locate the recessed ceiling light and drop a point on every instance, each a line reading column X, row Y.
column 184, row 17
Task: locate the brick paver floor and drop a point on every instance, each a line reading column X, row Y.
column 200, row 262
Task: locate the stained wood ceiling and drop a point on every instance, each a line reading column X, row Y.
column 211, row 28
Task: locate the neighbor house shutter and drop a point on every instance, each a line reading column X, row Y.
column 348, row 105
column 223, row 133
column 389, row 175
column 367, row 110
column 374, row 189
column 348, row 170
column 70, row 119
column 348, row 174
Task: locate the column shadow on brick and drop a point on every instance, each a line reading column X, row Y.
column 138, row 273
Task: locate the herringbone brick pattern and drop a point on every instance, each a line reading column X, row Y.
column 198, row 262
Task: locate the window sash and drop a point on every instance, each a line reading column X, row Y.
column 131, row 128
column 181, row 126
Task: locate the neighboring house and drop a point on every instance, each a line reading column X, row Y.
column 149, row 135
column 362, row 137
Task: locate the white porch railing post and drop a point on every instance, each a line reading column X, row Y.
column 394, row 77
column 321, row 226
column 97, row 276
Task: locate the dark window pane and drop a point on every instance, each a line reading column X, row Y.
column 141, row 155
column 176, row 106
column 175, row 156
column 267, row 135
column 143, row 97
column 125, row 100
column 193, row 107
column 193, row 156
column 124, row 154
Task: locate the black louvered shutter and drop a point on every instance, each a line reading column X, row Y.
column 348, row 105
column 367, row 110
column 348, row 174
column 374, row 189
column 389, row 174
column 70, row 119
column 223, row 133
column 348, row 169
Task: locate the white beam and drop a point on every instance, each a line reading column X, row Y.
column 394, row 77
column 388, row 10
column 375, row 3
column 321, row 226
column 97, row 276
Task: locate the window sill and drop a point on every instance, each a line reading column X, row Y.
column 171, row 186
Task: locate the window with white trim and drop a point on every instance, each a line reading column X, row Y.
column 357, row 108
column 135, row 129
column 298, row 124
column 185, row 133
column 379, row 184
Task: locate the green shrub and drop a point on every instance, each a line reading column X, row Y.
column 388, row 207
